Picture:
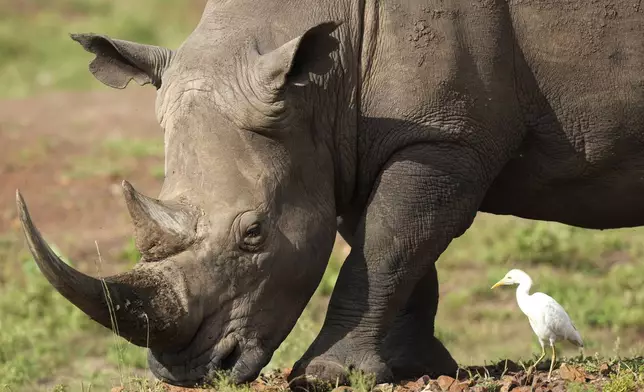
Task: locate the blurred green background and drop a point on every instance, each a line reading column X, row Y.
column 69, row 141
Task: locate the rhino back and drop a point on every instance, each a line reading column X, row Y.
column 582, row 97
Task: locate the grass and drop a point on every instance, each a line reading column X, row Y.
column 37, row 55
column 597, row 276
column 625, row 375
column 41, row 330
column 117, row 157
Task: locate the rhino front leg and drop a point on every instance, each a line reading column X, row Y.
column 411, row 348
column 425, row 196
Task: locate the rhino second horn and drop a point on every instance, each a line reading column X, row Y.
column 161, row 229
column 141, row 306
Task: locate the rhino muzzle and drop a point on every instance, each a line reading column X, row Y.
column 143, row 305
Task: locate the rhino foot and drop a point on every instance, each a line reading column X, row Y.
column 411, row 349
column 416, row 357
column 319, row 373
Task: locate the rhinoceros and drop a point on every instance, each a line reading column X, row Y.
column 391, row 122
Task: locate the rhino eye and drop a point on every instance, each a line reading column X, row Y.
column 253, row 237
column 254, row 231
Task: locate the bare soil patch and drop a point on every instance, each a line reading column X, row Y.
column 43, row 138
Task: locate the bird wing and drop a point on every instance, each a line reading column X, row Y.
column 555, row 317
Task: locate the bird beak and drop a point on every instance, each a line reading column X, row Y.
column 497, row 284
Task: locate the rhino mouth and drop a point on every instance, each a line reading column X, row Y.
column 232, row 355
column 193, row 370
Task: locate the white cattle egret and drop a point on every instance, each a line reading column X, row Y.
column 548, row 319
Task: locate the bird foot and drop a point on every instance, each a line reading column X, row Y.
column 530, row 370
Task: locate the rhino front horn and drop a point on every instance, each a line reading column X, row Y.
column 140, row 305
column 161, row 229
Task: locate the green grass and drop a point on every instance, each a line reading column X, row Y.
column 606, row 306
column 117, row 157
column 627, row 375
column 597, row 276
column 36, row 53
column 41, row 329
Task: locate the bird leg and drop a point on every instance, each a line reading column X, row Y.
column 534, row 365
column 552, row 363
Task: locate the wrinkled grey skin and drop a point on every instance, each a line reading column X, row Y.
column 393, row 121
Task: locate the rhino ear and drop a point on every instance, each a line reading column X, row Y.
column 117, row 61
column 292, row 62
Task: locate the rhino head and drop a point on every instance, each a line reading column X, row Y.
column 239, row 237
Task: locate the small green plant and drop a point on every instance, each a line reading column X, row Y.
column 625, row 381
column 139, row 384
column 130, row 254
column 362, row 382
column 580, row 387
column 221, row 382
column 489, row 385
column 116, row 157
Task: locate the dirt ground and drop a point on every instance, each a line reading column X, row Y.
column 43, row 139
column 503, row 376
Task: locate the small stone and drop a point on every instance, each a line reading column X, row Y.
column 172, row 388
column 384, row 388
column 525, row 388
column 432, row 386
column 445, row 382
column 459, row 386
column 508, row 382
column 414, row 385
column 266, row 388
column 523, row 378
column 540, row 388
column 571, row 373
column 558, row 386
